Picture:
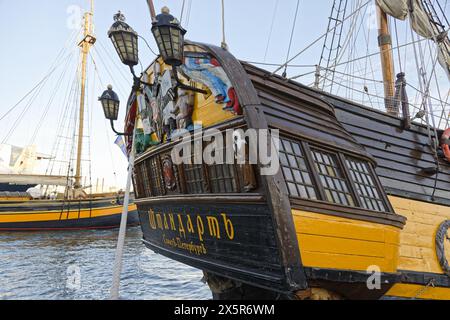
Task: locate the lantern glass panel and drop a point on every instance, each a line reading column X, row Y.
column 169, row 37
column 126, row 45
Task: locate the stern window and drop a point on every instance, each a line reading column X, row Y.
column 313, row 173
column 156, row 182
column 296, row 171
column 222, row 178
column 194, row 178
column 365, row 185
column 332, row 178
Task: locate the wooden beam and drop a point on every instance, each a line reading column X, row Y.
column 152, row 9
column 387, row 61
column 85, row 45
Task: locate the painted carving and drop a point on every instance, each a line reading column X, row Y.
column 184, row 109
column 151, row 116
column 169, row 175
column 144, row 113
column 130, row 123
column 206, row 70
column 169, row 119
column 142, row 141
column 166, row 108
column 166, row 102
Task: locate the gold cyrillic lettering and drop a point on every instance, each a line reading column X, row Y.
column 213, row 225
column 152, row 219
column 190, row 226
column 159, row 221
column 228, row 226
column 200, row 228
column 181, row 227
column 172, row 222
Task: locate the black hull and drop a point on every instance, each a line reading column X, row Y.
column 104, row 222
column 249, row 254
column 6, row 187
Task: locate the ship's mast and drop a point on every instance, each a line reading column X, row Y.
column 387, row 61
column 85, row 46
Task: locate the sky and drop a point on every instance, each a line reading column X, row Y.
column 35, row 31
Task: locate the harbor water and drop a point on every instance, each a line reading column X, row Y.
column 78, row 265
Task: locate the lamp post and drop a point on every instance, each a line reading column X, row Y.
column 110, row 103
column 169, row 36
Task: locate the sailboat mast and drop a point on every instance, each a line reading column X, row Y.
column 85, row 46
column 387, row 60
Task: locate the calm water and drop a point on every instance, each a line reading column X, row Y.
column 78, row 265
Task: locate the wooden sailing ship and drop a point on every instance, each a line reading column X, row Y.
column 359, row 209
column 73, row 208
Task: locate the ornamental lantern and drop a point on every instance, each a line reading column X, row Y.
column 110, row 103
column 169, row 36
column 125, row 40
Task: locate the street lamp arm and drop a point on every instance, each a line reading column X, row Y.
column 118, row 133
column 138, row 79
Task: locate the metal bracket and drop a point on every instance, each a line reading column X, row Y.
column 384, row 39
column 119, row 133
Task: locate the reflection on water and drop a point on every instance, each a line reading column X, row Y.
column 78, row 265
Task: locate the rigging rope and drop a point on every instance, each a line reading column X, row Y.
column 277, row 2
column 188, row 13
column 89, row 126
column 106, row 123
column 60, row 129
column 291, row 39
column 335, row 16
column 55, row 65
column 118, row 85
column 29, row 92
column 278, row 64
column 148, row 46
column 398, row 49
column 364, row 92
column 425, row 99
column 318, row 39
column 182, row 12
column 361, row 58
column 224, row 42
column 49, row 103
column 114, row 62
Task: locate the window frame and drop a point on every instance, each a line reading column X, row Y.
column 292, row 169
column 341, row 162
column 338, row 165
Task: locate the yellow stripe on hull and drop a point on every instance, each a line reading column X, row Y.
column 14, row 199
column 413, row 291
column 331, row 242
column 38, row 216
column 417, row 239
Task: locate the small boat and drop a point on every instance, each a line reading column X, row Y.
column 24, row 207
column 19, row 213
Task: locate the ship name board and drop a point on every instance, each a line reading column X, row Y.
column 185, row 226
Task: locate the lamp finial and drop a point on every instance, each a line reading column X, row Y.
column 119, row 16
